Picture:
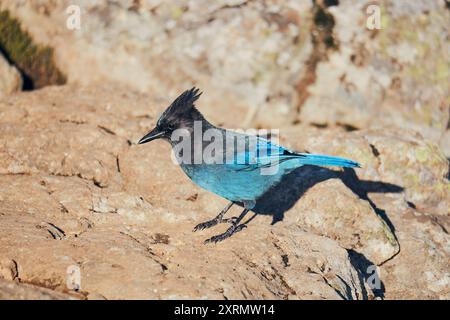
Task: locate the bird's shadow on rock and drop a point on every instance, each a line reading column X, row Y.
column 284, row 195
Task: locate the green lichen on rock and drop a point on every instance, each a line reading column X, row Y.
column 35, row 62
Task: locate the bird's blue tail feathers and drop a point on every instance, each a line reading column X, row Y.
column 321, row 160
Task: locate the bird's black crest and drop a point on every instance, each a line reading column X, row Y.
column 185, row 100
column 182, row 111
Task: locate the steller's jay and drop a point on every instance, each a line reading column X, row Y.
column 234, row 168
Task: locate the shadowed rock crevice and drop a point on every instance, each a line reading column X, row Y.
column 148, row 249
column 330, row 3
column 367, row 274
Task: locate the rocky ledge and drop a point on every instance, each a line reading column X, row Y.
column 77, row 192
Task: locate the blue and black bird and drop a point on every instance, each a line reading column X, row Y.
column 233, row 170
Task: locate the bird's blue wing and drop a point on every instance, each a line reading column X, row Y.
column 259, row 153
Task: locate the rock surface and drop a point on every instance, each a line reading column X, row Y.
column 78, row 196
column 10, row 80
column 19, row 291
column 125, row 211
column 278, row 62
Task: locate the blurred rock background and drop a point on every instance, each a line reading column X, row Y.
column 76, row 190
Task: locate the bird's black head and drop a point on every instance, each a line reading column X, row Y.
column 181, row 114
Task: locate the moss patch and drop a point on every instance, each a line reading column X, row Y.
column 35, row 62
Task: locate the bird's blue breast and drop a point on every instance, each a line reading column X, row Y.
column 231, row 184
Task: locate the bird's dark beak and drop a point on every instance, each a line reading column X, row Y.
column 152, row 135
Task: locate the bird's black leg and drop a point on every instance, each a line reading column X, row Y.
column 216, row 220
column 235, row 227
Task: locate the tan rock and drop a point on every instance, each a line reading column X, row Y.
column 8, row 269
column 137, row 227
column 17, row 291
column 384, row 77
column 127, row 224
column 157, row 49
column 402, row 158
column 266, row 63
column 10, row 79
column 331, row 209
column 76, row 192
column 420, row 270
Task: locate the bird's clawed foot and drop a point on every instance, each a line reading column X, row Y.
column 206, row 224
column 213, row 222
column 234, row 221
column 231, row 230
